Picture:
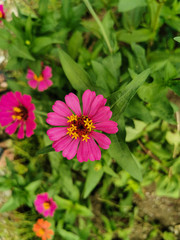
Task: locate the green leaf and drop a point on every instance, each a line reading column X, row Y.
column 62, row 202
column 177, row 39
column 40, row 42
column 32, row 187
column 75, row 44
column 121, row 153
column 135, row 132
column 10, row 205
column 139, row 35
column 45, row 150
column 43, row 7
column 125, row 5
column 119, row 100
column 78, row 78
column 18, row 50
column 82, row 210
column 68, row 187
column 66, row 235
column 93, row 178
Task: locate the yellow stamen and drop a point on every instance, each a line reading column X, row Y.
column 75, row 135
column 38, row 79
column 85, row 137
column 89, row 124
column 69, row 131
column 1, row 15
column 73, row 127
column 14, row 117
column 72, row 118
column 16, row 109
column 46, row 205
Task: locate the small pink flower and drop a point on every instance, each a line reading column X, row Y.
column 2, row 13
column 17, row 111
column 45, row 205
column 76, row 131
column 41, row 82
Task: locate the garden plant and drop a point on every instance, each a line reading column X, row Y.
column 90, row 111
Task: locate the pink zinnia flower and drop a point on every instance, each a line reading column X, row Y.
column 16, row 110
column 41, row 82
column 77, row 132
column 45, row 205
column 2, row 13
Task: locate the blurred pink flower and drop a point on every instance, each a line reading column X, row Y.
column 41, row 82
column 2, row 13
column 77, row 131
column 16, row 110
column 45, row 205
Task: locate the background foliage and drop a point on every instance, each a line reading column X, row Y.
column 125, row 50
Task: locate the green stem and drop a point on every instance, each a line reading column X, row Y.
column 91, row 10
column 41, row 113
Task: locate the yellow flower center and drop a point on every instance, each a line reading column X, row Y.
column 19, row 113
column 38, row 79
column 41, row 232
column 46, row 205
column 1, row 14
column 80, row 127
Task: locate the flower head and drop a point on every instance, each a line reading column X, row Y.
column 77, row 130
column 42, row 82
column 41, row 228
column 2, row 13
column 45, row 205
column 17, row 112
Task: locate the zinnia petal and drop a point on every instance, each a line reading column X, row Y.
column 42, row 86
column 98, row 102
column 103, row 114
column 12, row 128
column 20, row 134
column 72, row 102
column 83, row 153
column 61, row 144
column 101, row 139
column 56, row 133
column 33, row 83
column 70, row 151
column 30, row 74
column 61, row 108
column 94, row 151
column 108, row 127
column 47, row 72
column 56, row 120
column 87, row 99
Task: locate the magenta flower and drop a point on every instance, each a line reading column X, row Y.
column 2, row 13
column 77, row 131
column 41, row 82
column 45, row 205
column 17, row 111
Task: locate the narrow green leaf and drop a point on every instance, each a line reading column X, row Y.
column 125, row 5
column 93, row 178
column 120, row 99
column 46, row 149
column 177, row 39
column 42, row 42
column 77, row 76
column 121, row 153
